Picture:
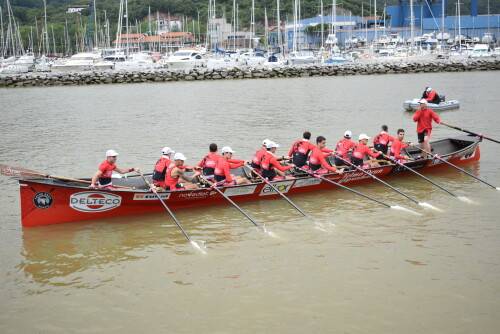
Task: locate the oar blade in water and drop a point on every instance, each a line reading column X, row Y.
column 426, row 205
column 402, row 208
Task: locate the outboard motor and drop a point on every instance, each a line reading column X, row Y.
column 442, row 98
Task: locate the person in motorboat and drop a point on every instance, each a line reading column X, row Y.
column 424, row 117
column 382, row 140
column 317, row 160
column 222, row 172
column 161, row 167
column 431, row 96
column 209, row 161
column 398, row 145
column 257, row 157
column 271, row 168
column 300, row 150
column 102, row 179
column 176, row 173
column 343, row 148
column 361, row 151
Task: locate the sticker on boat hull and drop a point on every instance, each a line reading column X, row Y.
column 150, row 197
column 282, row 186
column 306, row 182
column 93, row 201
column 42, row 200
column 238, row 191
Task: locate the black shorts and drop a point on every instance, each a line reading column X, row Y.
column 421, row 136
column 382, row 148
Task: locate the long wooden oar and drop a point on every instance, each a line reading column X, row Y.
column 214, row 186
column 177, row 222
column 414, row 200
column 359, row 193
column 277, row 190
column 470, row 132
column 422, row 176
column 458, row 168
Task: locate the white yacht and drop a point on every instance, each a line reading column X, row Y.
column 135, row 62
column 82, row 62
column 185, row 59
column 304, row 57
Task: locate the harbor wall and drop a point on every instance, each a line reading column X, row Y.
column 110, row 77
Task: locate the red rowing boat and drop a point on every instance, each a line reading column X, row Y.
column 46, row 201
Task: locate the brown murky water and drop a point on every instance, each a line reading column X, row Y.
column 371, row 270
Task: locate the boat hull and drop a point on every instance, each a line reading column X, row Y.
column 413, row 105
column 45, row 202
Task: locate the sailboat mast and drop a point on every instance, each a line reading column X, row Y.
column 322, row 30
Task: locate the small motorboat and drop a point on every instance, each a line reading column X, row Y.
column 413, row 105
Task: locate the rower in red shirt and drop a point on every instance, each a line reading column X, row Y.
column 361, row 150
column 317, row 160
column 424, row 117
column 102, row 179
column 397, row 146
column 431, row 96
column 176, row 172
column 382, row 140
column 270, row 166
column 259, row 155
column 209, row 161
column 161, row 167
column 300, row 150
column 223, row 168
column 343, row 148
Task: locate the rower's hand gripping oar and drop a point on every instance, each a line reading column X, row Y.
column 422, row 204
column 422, row 176
column 436, row 156
column 470, row 132
column 395, row 207
column 191, row 241
column 277, row 191
column 262, row 227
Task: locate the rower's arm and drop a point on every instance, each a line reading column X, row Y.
column 96, row 177
column 124, row 171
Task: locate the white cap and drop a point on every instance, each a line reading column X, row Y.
column 363, row 136
column 272, row 144
column 179, row 156
column 111, row 153
column 166, row 151
column 226, row 149
column 423, row 101
column 265, row 141
column 348, row 134
column 428, row 89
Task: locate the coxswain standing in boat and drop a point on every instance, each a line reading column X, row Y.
column 399, row 145
column 102, row 179
column 161, row 167
column 317, row 159
column 343, row 148
column 257, row 157
column 176, row 173
column 300, row 150
column 271, row 167
column 424, row 117
column 431, row 96
column 209, row 162
column 223, row 168
column 361, row 151
column 382, row 140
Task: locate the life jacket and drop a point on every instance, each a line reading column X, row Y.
column 300, row 152
column 343, row 147
column 265, row 164
column 209, row 162
column 170, row 181
column 160, row 169
column 381, row 142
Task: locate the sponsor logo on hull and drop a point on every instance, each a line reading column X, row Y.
column 355, row 176
column 150, row 197
column 197, row 194
column 42, row 200
column 282, row 186
column 306, row 182
column 238, row 191
column 93, row 201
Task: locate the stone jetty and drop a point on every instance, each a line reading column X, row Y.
column 163, row 75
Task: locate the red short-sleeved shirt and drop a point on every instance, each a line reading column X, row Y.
column 106, row 168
